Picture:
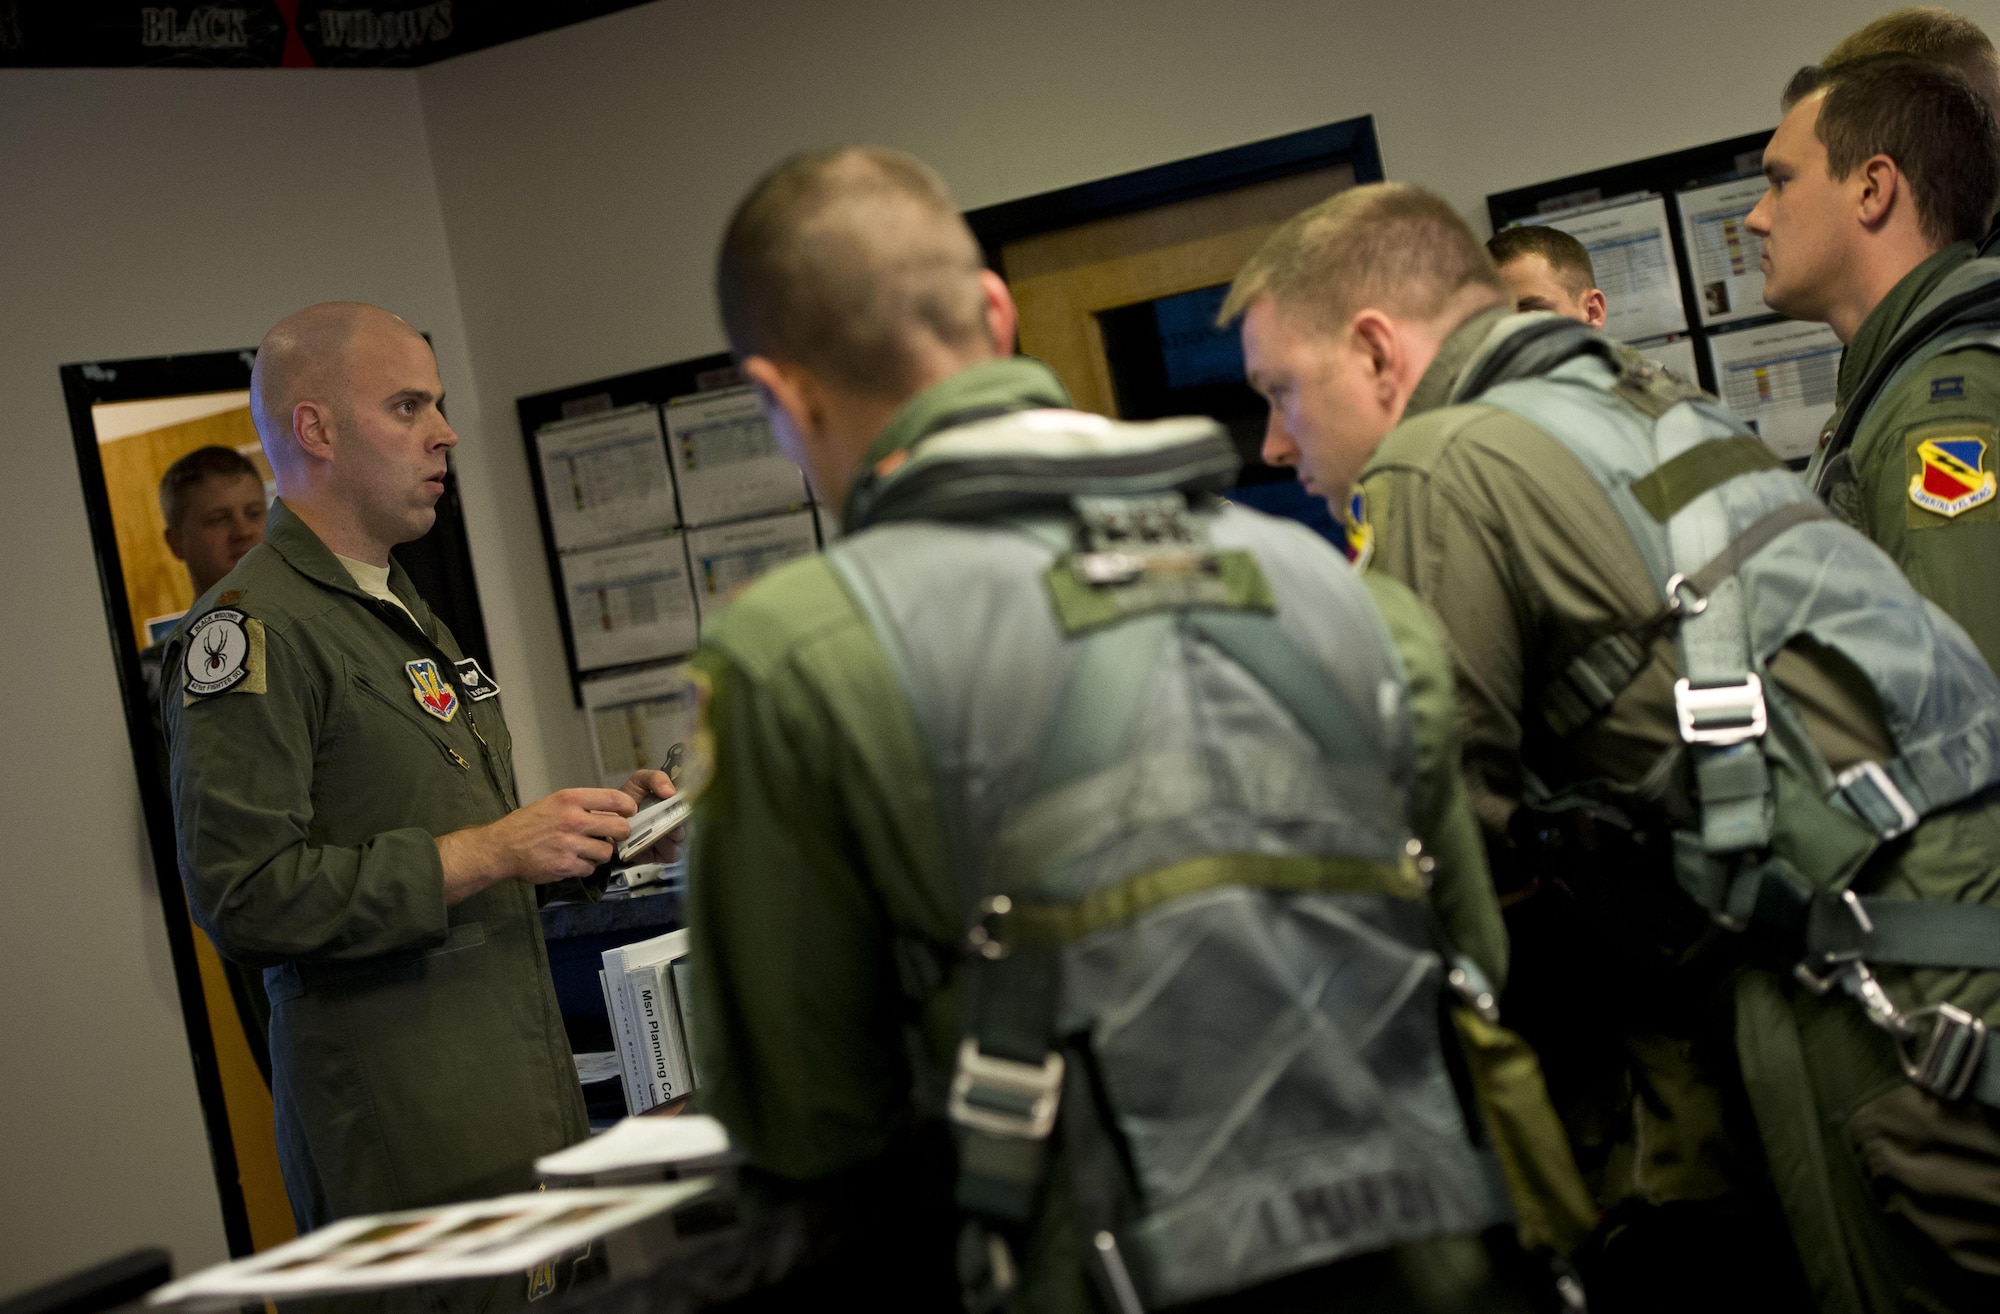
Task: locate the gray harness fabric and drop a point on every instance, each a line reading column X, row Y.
column 1745, row 567
column 1197, row 822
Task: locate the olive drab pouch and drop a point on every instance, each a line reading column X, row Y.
column 1175, row 760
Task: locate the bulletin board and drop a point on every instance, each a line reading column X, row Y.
column 662, row 495
column 1681, row 278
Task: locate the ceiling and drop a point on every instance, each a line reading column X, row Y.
column 272, row 33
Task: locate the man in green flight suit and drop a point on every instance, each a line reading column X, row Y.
column 344, row 798
column 1883, row 178
column 1486, row 447
column 831, row 940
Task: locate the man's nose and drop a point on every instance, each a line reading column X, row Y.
column 1758, row 220
column 1278, row 448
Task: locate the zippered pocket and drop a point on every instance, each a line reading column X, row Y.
column 408, row 718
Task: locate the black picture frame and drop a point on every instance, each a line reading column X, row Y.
column 648, row 387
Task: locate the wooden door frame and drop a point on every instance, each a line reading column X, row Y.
column 1350, row 142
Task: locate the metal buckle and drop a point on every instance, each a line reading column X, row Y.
column 1839, row 962
column 1872, row 775
column 1721, row 714
column 1947, row 1057
column 1676, row 604
column 1005, row 1098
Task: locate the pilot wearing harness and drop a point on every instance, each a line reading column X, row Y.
column 1716, row 724
column 1883, row 176
column 1112, row 829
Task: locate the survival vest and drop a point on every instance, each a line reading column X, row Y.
column 1747, row 561
column 1175, row 762
column 1963, row 310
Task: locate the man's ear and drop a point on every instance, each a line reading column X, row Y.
column 1594, row 308
column 312, row 430
column 1375, row 340
column 174, row 544
column 1002, row 318
column 1881, row 188
column 792, row 390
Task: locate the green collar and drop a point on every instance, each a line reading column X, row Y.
column 1012, row 383
column 1884, row 322
column 291, row 538
column 1454, row 356
column 993, row 387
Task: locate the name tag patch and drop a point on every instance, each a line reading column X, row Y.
column 478, row 685
column 1948, row 389
column 434, row 693
column 225, row 651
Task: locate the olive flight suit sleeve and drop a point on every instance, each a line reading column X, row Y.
column 1462, row 889
column 816, row 868
column 259, row 880
column 1928, row 487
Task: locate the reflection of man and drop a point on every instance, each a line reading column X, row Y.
column 344, row 797
column 1882, row 177
column 1698, row 837
column 212, row 501
column 1547, row 269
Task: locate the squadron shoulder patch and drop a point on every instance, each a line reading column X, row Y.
column 432, row 691
column 225, row 651
column 1949, row 474
column 1360, row 544
column 478, row 685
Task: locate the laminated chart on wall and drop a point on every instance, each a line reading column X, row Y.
column 1779, row 379
column 727, row 460
column 729, row 558
column 629, row 603
column 1633, row 257
column 1726, row 256
column 605, row 478
column 636, row 716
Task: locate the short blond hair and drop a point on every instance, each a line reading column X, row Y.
column 1929, row 32
column 1391, row 246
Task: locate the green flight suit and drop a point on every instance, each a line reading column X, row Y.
column 418, row 1052
column 1953, row 559
column 1519, row 551
column 819, row 886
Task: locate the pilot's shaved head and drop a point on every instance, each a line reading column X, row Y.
column 304, row 358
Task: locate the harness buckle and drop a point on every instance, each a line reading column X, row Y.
column 1946, row 1056
column 1721, row 714
column 1694, row 603
column 1874, row 797
column 1003, row 1097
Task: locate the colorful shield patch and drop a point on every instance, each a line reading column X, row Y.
column 1360, row 543
column 1952, row 479
column 433, row 692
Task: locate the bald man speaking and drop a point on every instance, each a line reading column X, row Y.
column 344, row 798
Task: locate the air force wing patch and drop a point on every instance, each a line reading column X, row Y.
column 433, row 692
column 1952, row 477
column 225, row 651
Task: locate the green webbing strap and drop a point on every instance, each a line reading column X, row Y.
column 1588, row 686
column 1907, row 932
column 1675, row 483
column 1300, row 684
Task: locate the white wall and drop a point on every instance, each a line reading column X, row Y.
column 142, row 213
column 585, row 175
